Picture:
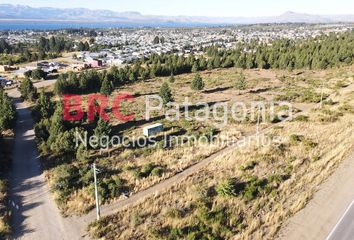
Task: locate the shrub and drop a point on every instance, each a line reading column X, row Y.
column 248, row 166
column 301, row 118
column 340, row 84
column 309, row 144
column 157, row 172
column 294, row 138
column 226, row 188
column 253, row 188
column 301, row 95
column 174, row 213
column 63, row 181
column 149, row 169
column 346, row 108
column 136, row 219
column 28, row 91
column 110, row 187
column 329, row 116
column 329, row 102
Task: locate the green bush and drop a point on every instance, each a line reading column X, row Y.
column 64, row 181
column 110, row 188
column 301, row 118
column 248, row 166
column 174, row 213
column 147, row 170
column 253, row 188
column 294, row 138
column 157, row 172
column 226, row 188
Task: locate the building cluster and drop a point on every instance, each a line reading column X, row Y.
column 118, row 46
column 127, row 45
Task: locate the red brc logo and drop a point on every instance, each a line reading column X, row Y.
column 96, row 103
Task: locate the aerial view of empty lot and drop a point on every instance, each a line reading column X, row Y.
column 161, row 124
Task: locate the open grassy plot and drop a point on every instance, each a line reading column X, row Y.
column 245, row 194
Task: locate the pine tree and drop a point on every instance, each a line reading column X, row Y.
column 82, row 154
column 44, row 105
column 197, row 83
column 107, row 87
column 165, row 93
column 103, row 131
column 7, row 112
column 28, row 91
column 195, row 67
column 240, row 82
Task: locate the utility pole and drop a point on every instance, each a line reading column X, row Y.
column 96, row 191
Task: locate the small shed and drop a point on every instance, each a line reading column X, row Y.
column 152, row 129
column 96, row 63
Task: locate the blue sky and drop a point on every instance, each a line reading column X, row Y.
column 203, row 7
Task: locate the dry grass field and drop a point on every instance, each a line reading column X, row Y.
column 249, row 193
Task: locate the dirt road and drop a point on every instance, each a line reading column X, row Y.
column 34, row 213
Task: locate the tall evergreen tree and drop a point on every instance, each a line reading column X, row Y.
column 28, row 91
column 7, row 112
column 102, row 131
column 197, row 83
column 165, row 93
column 44, row 106
column 240, row 82
column 107, row 86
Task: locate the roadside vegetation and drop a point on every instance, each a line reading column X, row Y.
column 7, row 121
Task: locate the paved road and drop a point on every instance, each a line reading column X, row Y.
column 344, row 230
column 329, row 203
column 325, row 209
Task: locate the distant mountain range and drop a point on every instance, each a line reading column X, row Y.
column 10, row 12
